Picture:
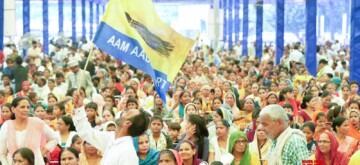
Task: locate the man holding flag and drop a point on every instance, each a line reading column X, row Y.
column 145, row 42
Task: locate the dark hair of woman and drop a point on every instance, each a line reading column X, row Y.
column 201, row 131
column 283, row 93
column 219, row 112
column 337, row 122
column 306, row 99
column 68, row 121
column 70, row 149
column 310, row 125
column 27, row 154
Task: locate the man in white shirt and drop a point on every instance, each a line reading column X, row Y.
column 34, row 53
column 117, row 147
column 74, row 55
column 296, row 55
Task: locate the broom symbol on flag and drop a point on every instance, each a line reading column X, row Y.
column 153, row 41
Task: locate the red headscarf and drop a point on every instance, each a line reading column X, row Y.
column 23, row 92
column 353, row 132
column 177, row 156
column 337, row 158
column 196, row 161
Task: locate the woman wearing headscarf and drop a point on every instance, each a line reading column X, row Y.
column 161, row 109
column 222, row 113
column 239, row 148
column 147, row 155
column 188, row 153
column 347, row 144
column 170, row 157
column 184, row 98
column 190, row 108
column 134, row 82
column 179, row 82
column 103, row 76
column 248, row 108
column 25, row 89
column 260, row 145
column 230, row 99
column 219, row 145
column 89, row 155
column 327, row 150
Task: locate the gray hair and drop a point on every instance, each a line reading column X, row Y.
column 275, row 112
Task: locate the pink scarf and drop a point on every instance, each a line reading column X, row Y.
column 33, row 137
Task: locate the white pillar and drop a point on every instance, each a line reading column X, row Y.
column 343, row 25
column 322, row 26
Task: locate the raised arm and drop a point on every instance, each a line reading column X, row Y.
column 99, row 139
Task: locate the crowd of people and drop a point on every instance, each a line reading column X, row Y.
column 223, row 108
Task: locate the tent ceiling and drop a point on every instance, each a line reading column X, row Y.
column 201, row 1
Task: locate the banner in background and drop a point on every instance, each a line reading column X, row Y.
column 73, row 21
column 230, row 21
column 245, row 28
column 280, row 7
column 259, row 28
column 237, row 20
column 97, row 17
column 225, row 39
column 46, row 27
column 355, row 41
column 83, row 20
column 26, row 20
column 310, row 53
column 61, row 15
column 2, row 8
column 91, row 17
column 142, row 40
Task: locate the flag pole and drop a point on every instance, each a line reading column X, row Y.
column 86, row 64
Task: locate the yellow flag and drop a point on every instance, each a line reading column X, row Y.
column 131, row 31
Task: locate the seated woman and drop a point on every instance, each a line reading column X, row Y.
column 190, row 108
column 147, row 155
column 327, row 150
column 260, row 145
column 197, row 132
column 76, row 143
column 239, row 148
column 69, row 156
column 188, row 153
column 89, row 155
column 109, row 126
column 218, row 145
column 169, row 157
column 24, row 156
column 221, row 113
column 66, row 130
column 248, row 106
column 6, row 113
column 347, row 144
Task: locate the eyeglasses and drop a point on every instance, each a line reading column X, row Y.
column 324, row 141
column 240, row 142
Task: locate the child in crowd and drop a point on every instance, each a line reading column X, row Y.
column 288, row 108
column 174, row 132
column 309, row 129
column 158, row 140
column 91, row 113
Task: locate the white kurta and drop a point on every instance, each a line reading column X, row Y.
column 116, row 151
